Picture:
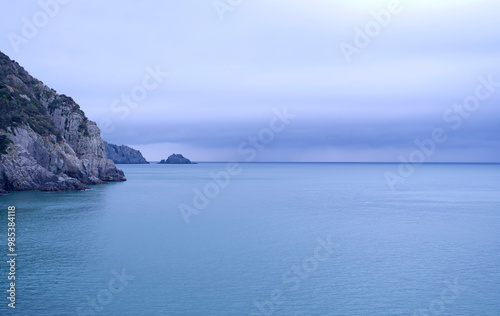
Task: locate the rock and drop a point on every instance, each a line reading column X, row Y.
column 46, row 141
column 124, row 154
column 176, row 159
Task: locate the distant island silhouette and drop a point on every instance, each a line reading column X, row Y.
column 176, row 159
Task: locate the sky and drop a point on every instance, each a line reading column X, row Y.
column 280, row 80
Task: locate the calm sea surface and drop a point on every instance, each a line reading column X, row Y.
column 275, row 239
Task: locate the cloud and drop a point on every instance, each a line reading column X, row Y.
column 226, row 77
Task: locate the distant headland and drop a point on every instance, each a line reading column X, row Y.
column 124, row 154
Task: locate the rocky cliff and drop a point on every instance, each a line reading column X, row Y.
column 46, row 141
column 124, row 154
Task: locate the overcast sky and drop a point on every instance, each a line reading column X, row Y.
column 354, row 96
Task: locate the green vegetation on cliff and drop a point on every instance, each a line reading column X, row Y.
column 18, row 110
column 4, row 143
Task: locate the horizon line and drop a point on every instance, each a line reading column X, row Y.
column 347, row 162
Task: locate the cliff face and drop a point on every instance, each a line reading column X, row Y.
column 124, row 154
column 46, row 141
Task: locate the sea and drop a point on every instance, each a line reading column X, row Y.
column 259, row 239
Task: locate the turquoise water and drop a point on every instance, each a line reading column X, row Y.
column 278, row 239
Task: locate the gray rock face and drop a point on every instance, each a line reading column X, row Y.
column 124, row 154
column 51, row 145
column 176, row 159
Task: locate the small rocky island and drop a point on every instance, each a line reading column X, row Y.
column 176, row 159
